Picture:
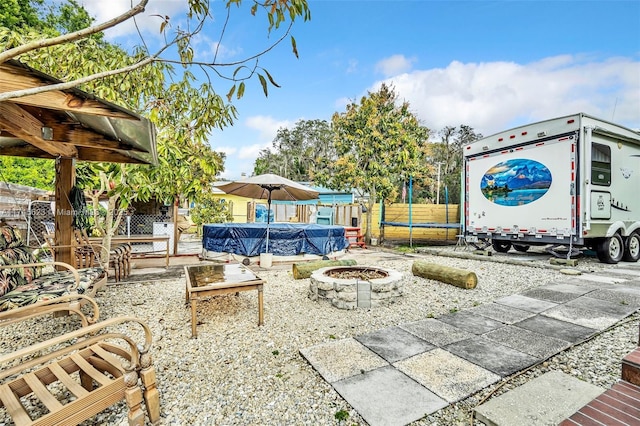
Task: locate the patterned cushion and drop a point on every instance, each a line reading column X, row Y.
column 50, row 286
column 12, row 252
column 10, row 237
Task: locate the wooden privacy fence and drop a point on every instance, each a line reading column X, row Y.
column 343, row 214
column 436, row 222
column 430, row 222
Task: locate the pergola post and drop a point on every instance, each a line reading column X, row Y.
column 65, row 179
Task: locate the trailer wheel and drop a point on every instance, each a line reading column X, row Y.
column 523, row 248
column 610, row 250
column 501, row 246
column 632, row 248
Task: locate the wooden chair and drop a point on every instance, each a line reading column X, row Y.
column 90, row 254
column 67, row 379
column 25, row 281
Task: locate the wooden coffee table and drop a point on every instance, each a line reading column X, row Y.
column 204, row 281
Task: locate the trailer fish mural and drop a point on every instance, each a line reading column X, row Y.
column 516, row 182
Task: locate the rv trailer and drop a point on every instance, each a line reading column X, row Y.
column 571, row 181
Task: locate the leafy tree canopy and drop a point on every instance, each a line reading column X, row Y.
column 377, row 141
column 33, row 172
column 448, row 154
column 67, row 44
column 298, row 153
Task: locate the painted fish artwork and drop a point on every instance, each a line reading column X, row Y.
column 516, row 182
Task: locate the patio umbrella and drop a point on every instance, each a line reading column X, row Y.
column 270, row 187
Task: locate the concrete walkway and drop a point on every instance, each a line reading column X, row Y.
column 400, row 374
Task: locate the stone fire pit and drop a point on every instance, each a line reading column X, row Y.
column 350, row 287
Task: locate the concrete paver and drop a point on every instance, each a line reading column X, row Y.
column 387, row 397
column 525, row 303
column 619, row 310
column 339, row 359
column 503, row 313
column 397, row 375
column 559, row 329
column 448, row 376
column 545, row 400
column 606, row 279
column 436, row 332
column 394, row 343
column 618, row 296
column 471, row 322
column 528, row 342
column 579, row 287
column 584, row 317
column 492, row 356
column 545, row 293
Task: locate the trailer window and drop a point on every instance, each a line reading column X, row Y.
column 600, row 164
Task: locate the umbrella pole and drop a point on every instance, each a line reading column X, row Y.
column 268, row 216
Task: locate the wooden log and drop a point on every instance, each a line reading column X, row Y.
column 458, row 277
column 304, row 270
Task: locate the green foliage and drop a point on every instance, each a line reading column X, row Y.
column 183, row 111
column 210, row 209
column 377, row 142
column 341, row 415
column 19, row 13
column 299, row 153
column 448, row 153
column 34, row 172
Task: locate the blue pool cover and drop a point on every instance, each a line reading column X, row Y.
column 285, row 239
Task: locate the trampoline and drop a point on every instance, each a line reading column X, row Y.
column 285, row 239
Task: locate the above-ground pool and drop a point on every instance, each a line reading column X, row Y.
column 285, row 239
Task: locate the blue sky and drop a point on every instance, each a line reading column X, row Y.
column 491, row 65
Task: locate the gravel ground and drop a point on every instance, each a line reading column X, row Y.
column 236, row 373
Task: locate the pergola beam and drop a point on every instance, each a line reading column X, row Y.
column 23, row 125
column 12, row 79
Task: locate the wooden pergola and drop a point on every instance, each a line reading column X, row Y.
column 68, row 125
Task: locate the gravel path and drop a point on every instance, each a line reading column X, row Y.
column 236, row 373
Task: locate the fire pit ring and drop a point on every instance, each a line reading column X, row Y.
column 351, row 287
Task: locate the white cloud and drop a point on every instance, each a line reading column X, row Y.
column 395, row 64
column 341, row 103
column 352, row 66
column 494, row 96
column 267, row 126
column 227, row 150
column 147, row 21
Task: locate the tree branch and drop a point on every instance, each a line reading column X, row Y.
column 77, row 35
column 74, row 83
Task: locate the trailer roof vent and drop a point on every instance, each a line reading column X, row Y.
column 542, row 134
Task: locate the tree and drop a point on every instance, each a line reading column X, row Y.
column 34, row 172
column 19, row 13
column 448, row 153
column 299, row 152
column 177, row 49
column 377, row 142
column 158, row 86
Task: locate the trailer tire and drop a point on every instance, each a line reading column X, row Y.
column 611, row 249
column 522, row 248
column 501, row 246
column 632, row 248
